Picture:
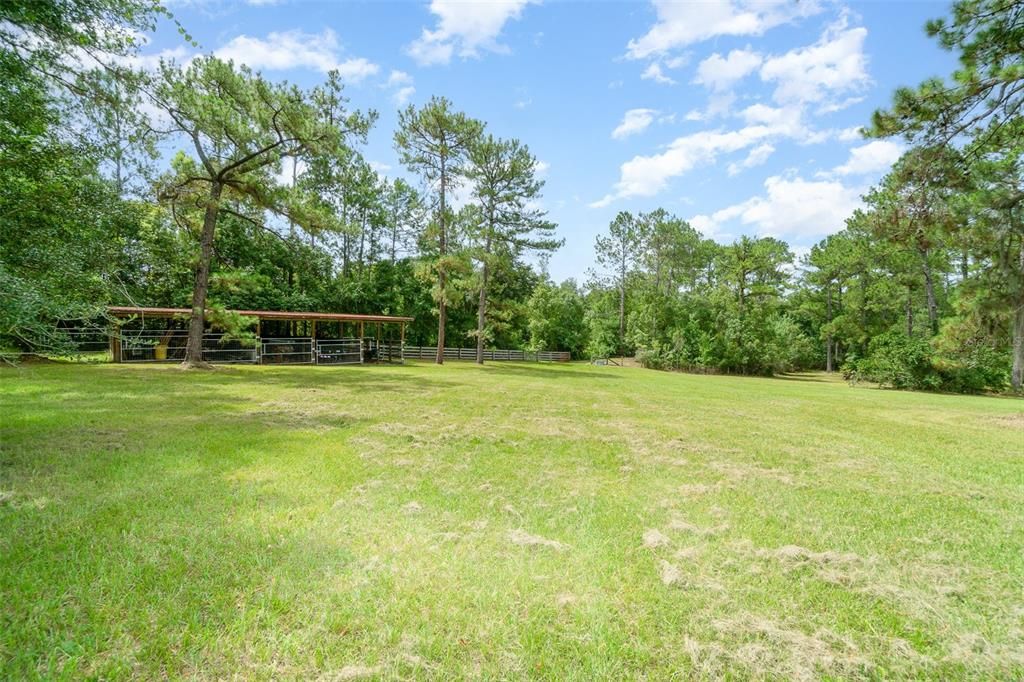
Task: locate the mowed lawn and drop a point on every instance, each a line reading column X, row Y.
column 515, row 520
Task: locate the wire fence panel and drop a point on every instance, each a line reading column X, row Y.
column 168, row 345
column 154, row 345
column 339, row 352
column 298, row 351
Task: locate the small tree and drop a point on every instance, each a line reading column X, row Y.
column 240, row 127
column 434, row 142
column 620, row 252
column 507, row 189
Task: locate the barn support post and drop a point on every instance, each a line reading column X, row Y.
column 115, row 343
column 401, row 343
column 312, row 341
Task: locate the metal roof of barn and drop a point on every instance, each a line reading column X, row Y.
column 122, row 311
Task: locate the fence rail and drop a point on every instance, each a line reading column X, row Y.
column 492, row 354
column 169, row 346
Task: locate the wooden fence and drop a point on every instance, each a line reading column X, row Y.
column 493, row 354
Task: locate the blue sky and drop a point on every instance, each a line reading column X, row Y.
column 739, row 116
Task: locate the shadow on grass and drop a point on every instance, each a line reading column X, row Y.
column 547, row 371
column 809, row 378
column 401, row 379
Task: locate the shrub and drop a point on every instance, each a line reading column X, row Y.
column 909, row 362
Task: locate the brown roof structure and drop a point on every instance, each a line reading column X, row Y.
column 122, row 311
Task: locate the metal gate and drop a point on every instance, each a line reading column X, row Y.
column 339, row 352
column 287, row 351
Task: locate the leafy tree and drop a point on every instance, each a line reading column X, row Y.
column 62, row 226
column 619, row 252
column 404, row 209
column 507, row 189
column 556, row 318
column 434, row 142
column 980, row 110
column 982, row 95
column 240, row 127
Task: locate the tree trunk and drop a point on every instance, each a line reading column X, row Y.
column 828, row 338
column 194, row 347
column 1017, row 374
column 481, row 316
column 394, row 236
column 362, row 238
column 910, row 311
column 863, row 313
column 481, row 309
column 442, row 305
column 622, row 318
column 929, row 288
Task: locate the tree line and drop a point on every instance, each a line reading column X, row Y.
column 270, row 204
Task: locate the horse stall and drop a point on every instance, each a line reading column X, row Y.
column 280, row 337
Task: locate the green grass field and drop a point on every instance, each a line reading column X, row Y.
column 560, row 522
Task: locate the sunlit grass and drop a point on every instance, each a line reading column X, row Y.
column 507, row 521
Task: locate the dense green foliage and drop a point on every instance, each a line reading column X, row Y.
column 270, row 204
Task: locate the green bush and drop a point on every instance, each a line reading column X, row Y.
column 910, row 362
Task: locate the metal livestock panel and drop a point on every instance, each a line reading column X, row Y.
column 297, row 351
column 339, row 352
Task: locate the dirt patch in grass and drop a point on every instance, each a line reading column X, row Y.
column 698, row 489
column 680, row 525
column 523, row 539
column 356, row 672
column 1013, row 421
column 773, row 647
column 669, row 573
column 736, row 472
column 654, row 538
column 290, row 415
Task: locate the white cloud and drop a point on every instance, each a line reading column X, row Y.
column 703, row 224
column 355, row 70
column 645, row 176
column 380, row 168
column 790, row 207
column 757, row 156
column 683, row 23
column 289, row 169
column 851, row 134
column 282, row 50
column 403, row 95
column 648, row 175
column 720, row 73
column 151, row 62
column 877, row 156
column 676, row 62
column 832, row 107
column 836, row 64
column 541, row 167
column 401, row 84
column 654, row 73
column 464, row 28
column 398, row 78
column 633, row 122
